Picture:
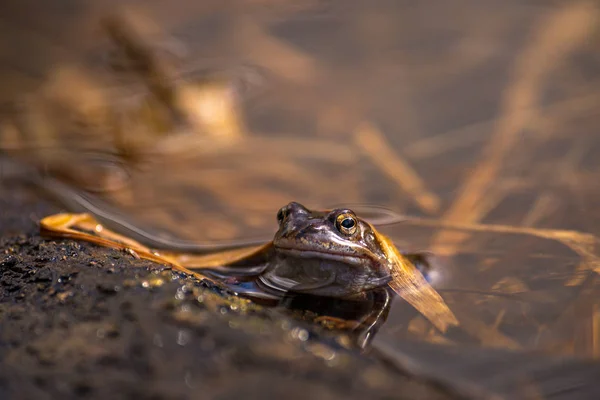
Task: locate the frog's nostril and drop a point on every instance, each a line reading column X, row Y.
column 282, row 214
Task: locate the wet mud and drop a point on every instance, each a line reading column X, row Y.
column 79, row 321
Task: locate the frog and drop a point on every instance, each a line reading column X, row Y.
column 327, row 253
column 332, row 254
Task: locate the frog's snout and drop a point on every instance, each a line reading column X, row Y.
column 290, row 213
column 291, row 209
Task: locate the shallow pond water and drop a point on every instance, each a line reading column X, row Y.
column 475, row 119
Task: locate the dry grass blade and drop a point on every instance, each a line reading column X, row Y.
column 219, row 259
column 556, row 35
column 374, row 145
column 74, row 226
column 77, row 226
column 412, row 286
column 155, row 73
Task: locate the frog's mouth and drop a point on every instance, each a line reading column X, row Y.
column 298, row 252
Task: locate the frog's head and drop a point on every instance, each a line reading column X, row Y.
column 328, row 253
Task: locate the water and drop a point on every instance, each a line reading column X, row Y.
column 473, row 113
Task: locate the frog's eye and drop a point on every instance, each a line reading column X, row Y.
column 346, row 224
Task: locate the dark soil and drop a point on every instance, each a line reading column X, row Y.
column 79, row 321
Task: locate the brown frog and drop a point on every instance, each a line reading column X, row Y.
column 323, row 253
column 331, row 253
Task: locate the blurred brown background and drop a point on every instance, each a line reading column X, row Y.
column 478, row 113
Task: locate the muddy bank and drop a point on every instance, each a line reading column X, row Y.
column 81, row 321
